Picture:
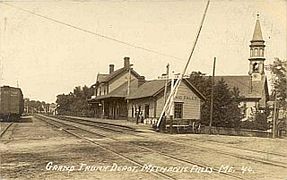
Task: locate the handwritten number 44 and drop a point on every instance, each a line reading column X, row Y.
column 246, row 169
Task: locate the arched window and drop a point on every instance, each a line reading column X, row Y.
column 261, row 52
column 256, row 52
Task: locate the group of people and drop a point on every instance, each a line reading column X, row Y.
column 139, row 117
column 196, row 127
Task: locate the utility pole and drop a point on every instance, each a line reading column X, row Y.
column 211, row 98
column 163, row 124
column 166, row 82
column 274, row 129
column 128, row 90
column 129, row 79
column 185, row 67
column 171, row 105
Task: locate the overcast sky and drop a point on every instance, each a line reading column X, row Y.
column 48, row 58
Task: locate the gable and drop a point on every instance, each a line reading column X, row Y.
column 156, row 87
column 119, row 80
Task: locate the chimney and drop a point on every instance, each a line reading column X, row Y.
column 141, row 81
column 112, row 68
column 126, row 62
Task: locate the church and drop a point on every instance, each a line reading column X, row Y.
column 253, row 87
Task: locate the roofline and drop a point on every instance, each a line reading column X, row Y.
column 196, row 90
column 199, row 94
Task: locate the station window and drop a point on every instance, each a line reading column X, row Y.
column 178, row 110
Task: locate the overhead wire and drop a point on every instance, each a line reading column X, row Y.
column 107, row 37
column 93, row 33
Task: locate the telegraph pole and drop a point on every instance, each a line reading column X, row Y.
column 128, row 90
column 166, row 81
column 274, row 129
column 185, row 67
column 171, row 108
column 211, row 98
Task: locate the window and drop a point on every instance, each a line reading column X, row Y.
column 261, row 52
column 178, row 109
column 255, row 52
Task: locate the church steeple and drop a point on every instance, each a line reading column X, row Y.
column 257, row 35
column 256, row 68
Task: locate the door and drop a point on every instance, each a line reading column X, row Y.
column 146, row 110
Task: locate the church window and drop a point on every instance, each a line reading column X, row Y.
column 261, row 52
column 255, row 52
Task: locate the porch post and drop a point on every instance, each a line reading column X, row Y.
column 103, row 104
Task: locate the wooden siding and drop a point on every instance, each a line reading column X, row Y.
column 159, row 105
column 118, row 81
column 141, row 102
column 102, row 90
column 191, row 102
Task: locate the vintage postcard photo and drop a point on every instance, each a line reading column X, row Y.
column 143, row 89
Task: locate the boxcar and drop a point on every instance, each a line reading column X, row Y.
column 11, row 103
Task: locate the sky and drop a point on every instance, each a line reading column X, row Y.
column 48, row 58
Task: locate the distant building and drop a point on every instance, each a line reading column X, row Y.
column 253, row 87
column 52, row 109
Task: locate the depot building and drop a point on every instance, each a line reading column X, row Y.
column 124, row 94
column 149, row 100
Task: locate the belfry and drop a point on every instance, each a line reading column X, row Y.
column 256, row 65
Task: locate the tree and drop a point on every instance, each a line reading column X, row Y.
column 226, row 111
column 226, row 106
column 279, row 72
column 34, row 106
column 259, row 121
column 75, row 103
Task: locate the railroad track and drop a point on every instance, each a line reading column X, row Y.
column 106, row 126
column 180, row 160
column 238, row 148
column 5, row 129
column 47, row 120
column 247, row 149
column 249, row 158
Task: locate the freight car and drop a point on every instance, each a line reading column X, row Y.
column 11, row 103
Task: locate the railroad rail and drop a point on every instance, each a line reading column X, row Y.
column 243, row 157
column 180, row 160
column 106, row 126
column 43, row 118
column 249, row 158
column 5, row 129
